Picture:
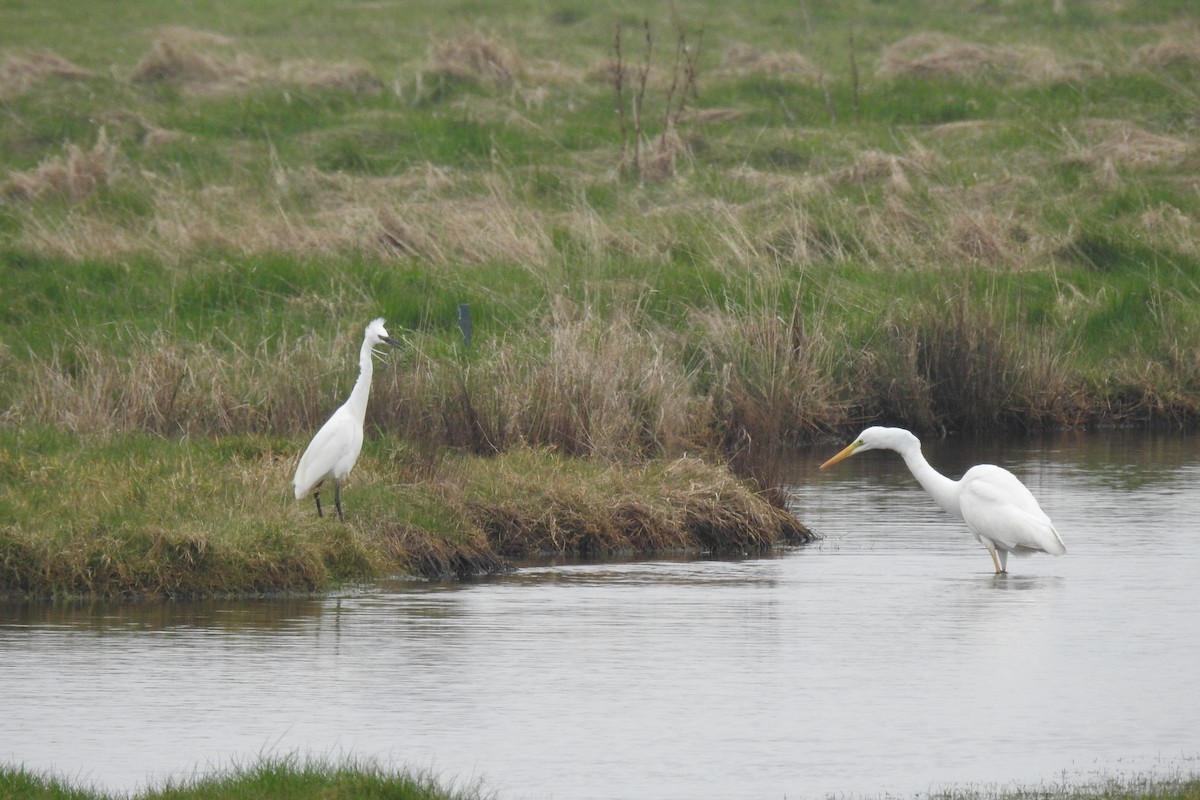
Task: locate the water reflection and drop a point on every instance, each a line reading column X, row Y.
column 887, row 657
column 101, row 617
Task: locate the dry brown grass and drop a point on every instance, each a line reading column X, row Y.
column 771, row 383
column 1177, row 230
column 1173, row 50
column 937, row 55
column 172, row 60
column 1124, row 143
column 20, row 72
column 957, row 364
column 475, row 58
column 161, row 387
column 75, row 175
column 208, row 62
column 591, row 387
column 897, row 172
column 743, row 59
column 493, row 226
column 983, row 236
column 350, row 77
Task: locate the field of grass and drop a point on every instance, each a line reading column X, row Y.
column 292, row 779
column 681, row 228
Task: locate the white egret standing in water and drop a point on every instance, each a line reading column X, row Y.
column 997, row 507
column 333, row 451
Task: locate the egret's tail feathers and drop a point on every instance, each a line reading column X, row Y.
column 304, row 486
column 1056, row 547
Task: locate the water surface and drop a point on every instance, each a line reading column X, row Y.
column 886, row 658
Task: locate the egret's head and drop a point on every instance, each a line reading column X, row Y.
column 877, row 438
column 377, row 333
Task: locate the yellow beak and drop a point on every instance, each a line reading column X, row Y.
column 849, row 451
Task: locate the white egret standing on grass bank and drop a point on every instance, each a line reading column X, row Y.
column 997, row 507
column 333, row 451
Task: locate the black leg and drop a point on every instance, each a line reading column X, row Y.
column 337, row 498
column 317, row 497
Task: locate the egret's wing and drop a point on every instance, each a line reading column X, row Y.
column 324, row 452
column 997, row 506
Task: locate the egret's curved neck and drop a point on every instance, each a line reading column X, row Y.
column 357, row 403
column 943, row 490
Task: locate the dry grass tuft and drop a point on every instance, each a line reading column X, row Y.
column 951, row 366
column 1179, row 231
column 177, row 61
column 475, row 58
column 492, row 227
column 166, row 389
column 408, row 239
column 770, row 385
column 897, row 171
column 21, row 71
column 982, row 236
column 73, row 176
column 1169, row 52
column 206, row 61
column 936, row 55
column 1123, row 143
column 661, row 157
column 742, row 59
column 346, row 77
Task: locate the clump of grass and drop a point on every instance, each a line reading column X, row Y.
column 1170, row 51
column 493, row 227
column 983, row 237
column 770, row 384
column 1125, row 144
column 474, row 58
column 181, row 57
column 207, row 62
column 744, row 59
column 683, row 504
column 20, row 72
column 348, row 76
column 939, row 56
column 593, row 387
column 74, row 176
column 950, row 368
column 161, row 387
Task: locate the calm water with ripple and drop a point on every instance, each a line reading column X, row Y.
column 886, row 658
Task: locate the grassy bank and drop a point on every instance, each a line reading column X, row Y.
column 697, row 229
column 286, row 778
column 291, row 779
column 148, row 516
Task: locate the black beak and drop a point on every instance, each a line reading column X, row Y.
column 391, row 341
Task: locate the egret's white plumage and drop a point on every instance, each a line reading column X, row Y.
column 333, row 451
column 1004, row 516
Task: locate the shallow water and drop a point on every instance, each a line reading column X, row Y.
column 886, row 658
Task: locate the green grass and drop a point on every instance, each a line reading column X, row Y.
column 284, row 778
column 294, row 779
column 147, row 516
column 991, row 229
